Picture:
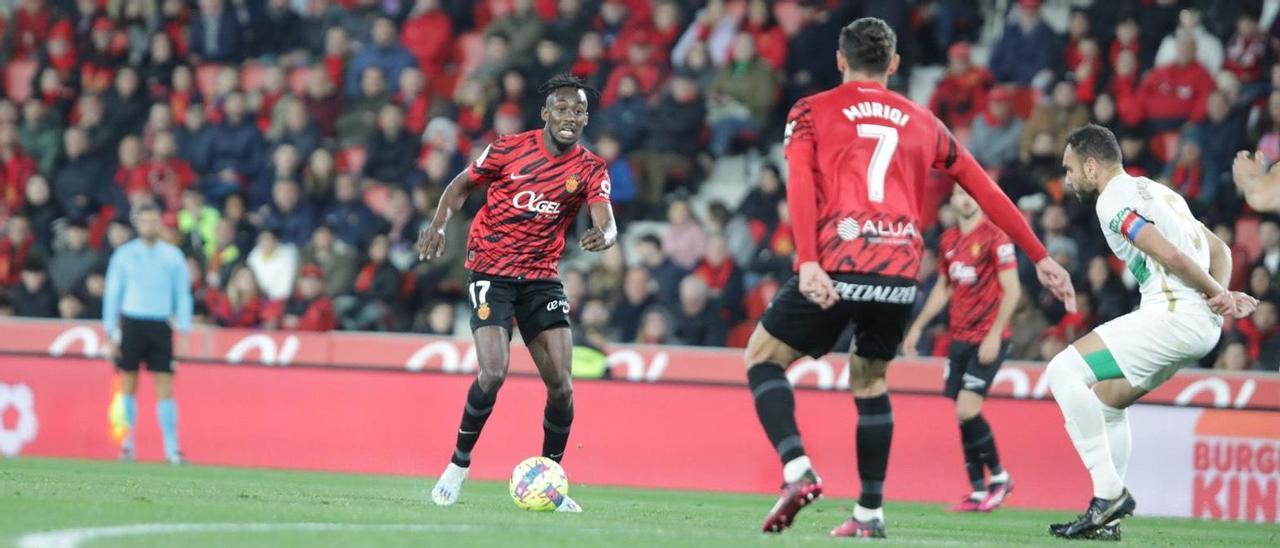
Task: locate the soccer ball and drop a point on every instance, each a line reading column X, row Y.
column 538, row 484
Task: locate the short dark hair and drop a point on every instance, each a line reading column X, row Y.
column 1095, row 141
column 868, row 45
column 568, row 80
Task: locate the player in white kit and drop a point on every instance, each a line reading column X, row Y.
column 1182, row 270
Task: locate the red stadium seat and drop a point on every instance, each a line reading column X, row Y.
column 19, row 75
column 207, row 78
column 740, row 334
column 759, row 297
column 252, row 77
column 298, row 79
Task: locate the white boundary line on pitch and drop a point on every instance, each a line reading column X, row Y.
column 70, row 538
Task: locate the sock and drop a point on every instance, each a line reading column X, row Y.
column 795, row 469
column 776, row 407
column 974, row 433
column 130, row 418
column 1118, row 437
column 983, row 443
column 864, row 514
column 555, row 430
column 167, row 416
column 474, row 414
column 1070, row 378
column 875, row 433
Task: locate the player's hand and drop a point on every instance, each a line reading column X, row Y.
column 430, row 243
column 1244, row 304
column 910, row 342
column 596, row 240
column 1223, row 303
column 989, row 350
column 816, row 285
column 1058, row 281
column 1248, row 168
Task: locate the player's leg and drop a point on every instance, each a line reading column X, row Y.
column 1072, row 375
column 552, row 352
column 542, row 312
column 1116, row 396
column 976, row 435
column 791, row 327
column 879, row 328
column 959, row 356
column 160, row 364
column 491, row 316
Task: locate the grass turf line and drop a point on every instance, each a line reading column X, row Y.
column 44, row 494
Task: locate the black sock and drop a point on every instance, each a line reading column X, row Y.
column 979, row 442
column 555, row 430
column 474, row 414
column 776, row 407
column 875, row 433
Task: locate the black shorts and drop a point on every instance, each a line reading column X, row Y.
column 534, row 305
column 148, row 341
column 878, row 306
column 965, row 372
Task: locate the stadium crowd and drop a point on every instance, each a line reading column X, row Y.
column 297, row 146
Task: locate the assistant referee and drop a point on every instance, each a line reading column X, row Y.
column 147, row 286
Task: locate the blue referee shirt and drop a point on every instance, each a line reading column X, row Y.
column 147, row 282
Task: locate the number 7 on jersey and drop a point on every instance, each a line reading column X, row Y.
column 886, row 143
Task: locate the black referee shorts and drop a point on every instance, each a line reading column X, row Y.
column 149, row 341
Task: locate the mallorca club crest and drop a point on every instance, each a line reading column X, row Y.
column 571, row 184
column 975, row 250
column 482, row 311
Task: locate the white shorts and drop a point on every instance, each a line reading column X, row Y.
column 1151, row 344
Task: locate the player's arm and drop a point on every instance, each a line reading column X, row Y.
column 1261, row 188
column 431, row 240
column 957, row 162
column 933, row 306
column 1147, row 239
column 604, row 229
column 182, row 294
column 802, row 202
column 1011, row 291
column 1220, row 266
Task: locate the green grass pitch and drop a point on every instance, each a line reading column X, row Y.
column 86, row 503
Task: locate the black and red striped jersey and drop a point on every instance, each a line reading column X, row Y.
column 531, row 199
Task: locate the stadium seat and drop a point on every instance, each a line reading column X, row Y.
column 207, row 78
column 740, row 334
column 759, row 297
column 19, row 75
column 298, row 79
column 252, row 77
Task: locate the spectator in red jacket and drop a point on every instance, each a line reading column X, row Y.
column 1174, row 94
column 1126, row 40
column 164, row 175
column 15, row 248
column 428, row 35
column 771, row 41
column 1077, row 32
column 16, row 166
column 308, row 309
column 1262, row 335
column 31, row 24
column 1247, row 50
column 639, row 66
column 242, row 304
column 1123, row 87
column 962, row 93
column 723, row 277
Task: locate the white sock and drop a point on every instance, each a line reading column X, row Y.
column 867, row 514
column 795, row 468
column 1070, row 379
column 1002, row 477
column 1118, row 437
column 978, row 495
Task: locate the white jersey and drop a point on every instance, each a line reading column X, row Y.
column 1128, row 203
